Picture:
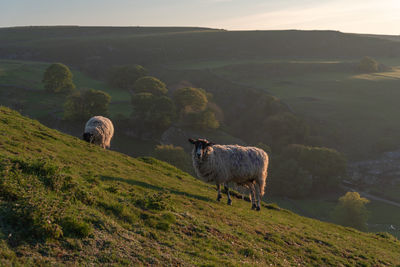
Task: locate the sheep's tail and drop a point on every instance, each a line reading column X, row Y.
column 263, row 179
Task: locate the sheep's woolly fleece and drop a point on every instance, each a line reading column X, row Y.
column 233, row 163
column 102, row 130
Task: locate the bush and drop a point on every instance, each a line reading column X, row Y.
column 368, row 65
column 73, row 227
column 351, row 211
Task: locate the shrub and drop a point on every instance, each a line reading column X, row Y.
column 351, row 211
column 73, row 227
column 368, row 64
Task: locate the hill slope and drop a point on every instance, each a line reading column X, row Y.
column 89, row 47
column 65, row 201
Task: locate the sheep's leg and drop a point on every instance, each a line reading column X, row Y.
column 228, row 194
column 253, row 196
column 258, row 193
column 219, row 192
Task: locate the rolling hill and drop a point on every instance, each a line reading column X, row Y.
column 63, row 201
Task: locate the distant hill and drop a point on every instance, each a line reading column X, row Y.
column 93, row 46
column 63, row 201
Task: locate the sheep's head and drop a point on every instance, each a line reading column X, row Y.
column 88, row 137
column 200, row 147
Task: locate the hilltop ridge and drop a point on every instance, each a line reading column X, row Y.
column 75, row 203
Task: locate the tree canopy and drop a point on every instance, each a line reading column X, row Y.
column 190, row 99
column 84, row 105
column 58, row 79
column 124, row 77
column 149, row 84
column 351, row 211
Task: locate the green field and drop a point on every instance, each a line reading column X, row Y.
column 103, row 207
column 27, row 75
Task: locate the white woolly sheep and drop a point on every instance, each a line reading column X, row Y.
column 99, row 130
column 245, row 166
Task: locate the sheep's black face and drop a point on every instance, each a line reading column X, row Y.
column 200, row 147
column 88, row 137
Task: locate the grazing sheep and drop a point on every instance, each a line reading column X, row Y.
column 245, row 166
column 99, row 130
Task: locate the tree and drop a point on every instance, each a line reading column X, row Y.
column 84, row 105
column 149, row 84
column 194, row 112
column 190, row 99
column 174, row 155
column 58, row 79
column 124, row 77
column 153, row 112
column 351, row 211
column 291, row 180
column 368, row 64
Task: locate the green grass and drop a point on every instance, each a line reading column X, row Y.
column 77, row 204
column 26, row 76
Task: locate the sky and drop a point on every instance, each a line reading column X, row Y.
column 357, row 16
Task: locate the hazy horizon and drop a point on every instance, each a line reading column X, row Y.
column 359, row 16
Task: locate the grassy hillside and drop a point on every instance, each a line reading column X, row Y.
column 65, row 201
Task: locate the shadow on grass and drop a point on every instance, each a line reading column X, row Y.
column 154, row 187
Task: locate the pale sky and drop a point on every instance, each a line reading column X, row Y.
column 358, row 16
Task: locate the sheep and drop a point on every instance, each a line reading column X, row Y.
column 99, row 130
column 245, row 166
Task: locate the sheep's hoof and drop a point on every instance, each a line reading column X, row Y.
column 229, row 202
column 253, row 207
column 258, row 209
column 219, row 198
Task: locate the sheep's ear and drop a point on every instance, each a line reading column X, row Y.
column 191, row 140
column 210, row 144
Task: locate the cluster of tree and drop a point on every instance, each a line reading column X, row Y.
column 351, row 211
column 82, row 105
column 154, row 110
column 300, row 171
column 79, row 105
